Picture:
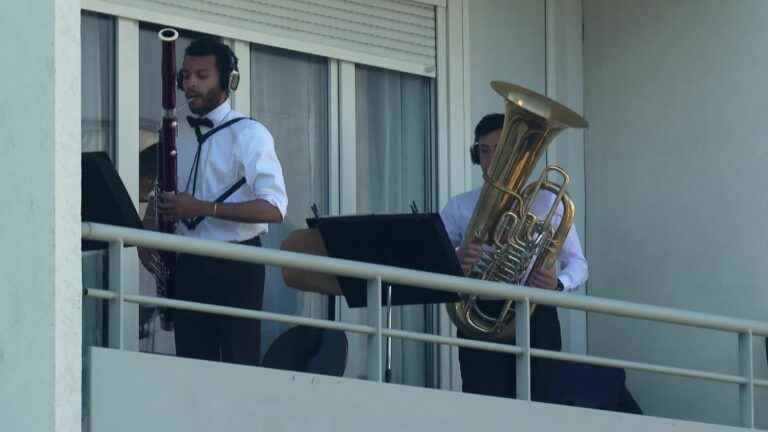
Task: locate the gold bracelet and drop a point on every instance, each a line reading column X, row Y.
column 215, row 204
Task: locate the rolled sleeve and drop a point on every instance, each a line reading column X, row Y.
column 262, row 170
column 573, row 270
column 573, row 265
column 448, row 215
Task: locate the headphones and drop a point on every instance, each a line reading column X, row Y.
column 229, row 75
column 474, row 153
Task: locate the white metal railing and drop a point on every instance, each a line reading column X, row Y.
column 374, row 274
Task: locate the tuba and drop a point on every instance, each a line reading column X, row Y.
column 514, row 239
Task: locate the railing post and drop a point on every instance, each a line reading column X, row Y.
column 116, row 306
column 523, row 340
column 747, row 390
column 374, row 340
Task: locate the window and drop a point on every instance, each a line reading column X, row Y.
column 289, row 95
column 98, row 134
column 394, row 148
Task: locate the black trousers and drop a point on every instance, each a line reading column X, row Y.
column 494, row 374
column 225, row 283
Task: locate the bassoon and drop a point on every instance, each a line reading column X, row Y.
column 166, row 164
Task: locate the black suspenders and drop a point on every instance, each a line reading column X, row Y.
column 193, row 223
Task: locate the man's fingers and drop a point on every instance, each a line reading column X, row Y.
column 463, row 252
column 169, row 212
column 542, row 278
column 166, row 205
column 469, row 255
column 168, row 197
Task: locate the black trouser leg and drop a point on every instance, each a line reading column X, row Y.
column 545, row 334
column 196, row 333
column 240, row 337
column 225, row 283
column 494, row 374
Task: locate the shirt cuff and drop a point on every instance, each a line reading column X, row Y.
column 567, row 282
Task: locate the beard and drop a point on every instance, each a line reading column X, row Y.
column 202, row 103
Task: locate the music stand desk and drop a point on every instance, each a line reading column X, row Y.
column 104, row 197
column 411, row 241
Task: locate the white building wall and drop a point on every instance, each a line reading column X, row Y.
column 40, row 287
column 507, row 40
column 676, row 96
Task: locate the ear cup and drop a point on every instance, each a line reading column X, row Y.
column 230, row 78
column 234, row 80
column 473, row 153
column 179, row 80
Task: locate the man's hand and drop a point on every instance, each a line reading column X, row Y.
column 543, row 278
column 469, row 255
column 182, row 206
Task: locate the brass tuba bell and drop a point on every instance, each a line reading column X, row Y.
column 514, row 239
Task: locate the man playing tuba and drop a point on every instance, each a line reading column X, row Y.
column 494, row 373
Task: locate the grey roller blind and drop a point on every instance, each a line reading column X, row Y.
column 396, row 34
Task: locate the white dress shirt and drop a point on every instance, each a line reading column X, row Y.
column 571, row 262
column 244, row 149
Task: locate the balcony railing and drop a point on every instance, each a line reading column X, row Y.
column 374, row 274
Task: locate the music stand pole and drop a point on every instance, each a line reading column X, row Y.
column 388, row 369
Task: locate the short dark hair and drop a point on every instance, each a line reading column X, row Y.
column 226, row 61
column 488, row 124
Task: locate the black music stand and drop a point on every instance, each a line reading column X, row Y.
column 104, row 197
column 411, row 241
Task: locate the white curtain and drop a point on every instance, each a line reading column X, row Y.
column 98, row 130
column 290, row 97
column 98, row 72
column 393, row 152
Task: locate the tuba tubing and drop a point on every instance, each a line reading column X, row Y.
column 514, row 240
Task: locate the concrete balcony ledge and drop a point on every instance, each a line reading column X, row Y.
column 132, row 391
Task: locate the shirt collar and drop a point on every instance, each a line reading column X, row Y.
column 219, row 113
